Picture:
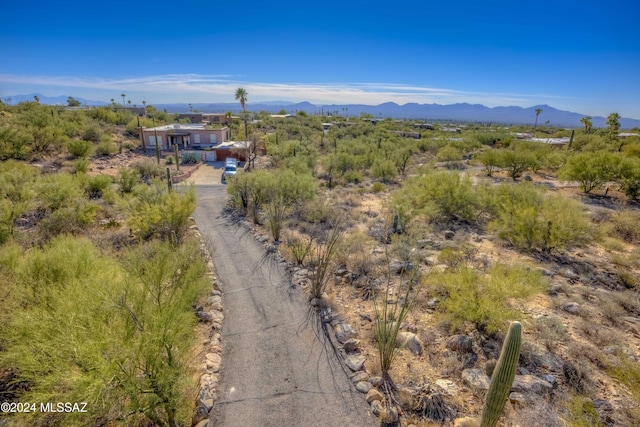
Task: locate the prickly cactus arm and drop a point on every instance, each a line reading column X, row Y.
column 503, row 376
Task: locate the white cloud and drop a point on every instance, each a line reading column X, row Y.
column 220, row 88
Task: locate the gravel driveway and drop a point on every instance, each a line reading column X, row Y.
column 275, row 371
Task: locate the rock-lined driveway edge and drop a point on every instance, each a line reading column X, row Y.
column 275, row 371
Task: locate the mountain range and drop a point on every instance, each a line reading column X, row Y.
column 461, row 112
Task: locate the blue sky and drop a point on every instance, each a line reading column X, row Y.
column 582, row 56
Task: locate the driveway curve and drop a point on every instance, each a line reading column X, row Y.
column 275, row 370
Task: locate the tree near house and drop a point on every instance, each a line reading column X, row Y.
column 72, row 102
column 241, row 95
column 587, row 123
column 538, row 111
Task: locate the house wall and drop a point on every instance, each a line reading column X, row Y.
column 201, row 135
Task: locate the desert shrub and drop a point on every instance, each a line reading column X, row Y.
column 190, row 158
column 298, row 247
column 625, row 225
column 628, row 176
column 448, row 153
column 377, row 187
column 79, row 149
column 166, row 215
column 130, row 144
column 81, row 166
column 59, row 190
column 124, row 319
column 441, row 196
column 591, row 170
column 17, row 184
column 148, row 168
column 106, row 147
column 354, row 177
column 627, row 371
column 384, row 169
column 92, row 133
column 516, row 162
column 72, row 218
column 529, row 219
column 97, row 184
column 582, row 413
column 169, row 160
column 127, row 179
column 484, row 299
column 490, row 159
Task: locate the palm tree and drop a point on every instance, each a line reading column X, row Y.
column 36, row 99
column 129, row 101
column 122, row 95
column 586, row 121
column 613, row 121
column 113, row 101
column 241, row 95
column 538, row 111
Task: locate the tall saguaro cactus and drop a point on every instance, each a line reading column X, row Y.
column 503, row 376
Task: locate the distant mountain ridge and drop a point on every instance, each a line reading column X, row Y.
column 462, row 112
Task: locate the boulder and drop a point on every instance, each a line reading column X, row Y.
column 460, row 343
column 351, row 345
column 363, row 386
column 476, row 378
column 410, row 341
column 531, row 384
column 360, row 376
column 344, row 332
column 213, row 362
column 374, row 394
column 571, row 307
column 355, row 362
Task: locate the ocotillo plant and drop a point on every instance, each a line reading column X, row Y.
column 503, row 376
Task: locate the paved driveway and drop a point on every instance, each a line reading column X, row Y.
column 275, row 371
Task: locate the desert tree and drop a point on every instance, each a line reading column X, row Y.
column 587, row 123
column 241, row 95
column 538, row 111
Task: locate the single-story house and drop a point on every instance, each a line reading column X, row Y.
column 229, row 149
column 405, row 134
column 185, row 135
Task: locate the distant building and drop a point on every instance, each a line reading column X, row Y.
column 405, row 134
column 138, row 111
column 185, row 136
column 427, row 126
column 207, row 118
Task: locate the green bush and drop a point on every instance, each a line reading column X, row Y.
column 106, row 148
column 96, row 185
column 92, row 133
column 148, row 168
column 71, row 219
column 166, row 216
column 384, row 169
column 354, row 177
column 529, row 219
column 377, row 187
column 59, row 190
column 591, row 170
column 190, row 158
column 516, row 162
column 120, row 330
column 79, row 149
column 442, row 196
column 81, row 166
column 169, row 160
column 484, row 299
column 490, row 159
column 448, row 153
column 625, row 225
column 127, row 179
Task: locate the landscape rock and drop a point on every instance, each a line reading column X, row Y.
column 351, row 345
column 459, row 343
column 344, row 332
column 215, row 302
column 363, row 386
column 476, row 378
column 530, row 384
column 359, row 376
column 355, row 362
column 376, row 381
column 448, row 387
column 571, row 307
column 410, row 341
column 449, row 234
column 213, row 362
column 374, row 394
column 517, row 398
column 376, row 407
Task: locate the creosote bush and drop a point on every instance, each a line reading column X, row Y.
column 485, row 299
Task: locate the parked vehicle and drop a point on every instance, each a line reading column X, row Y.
column 230, row 168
